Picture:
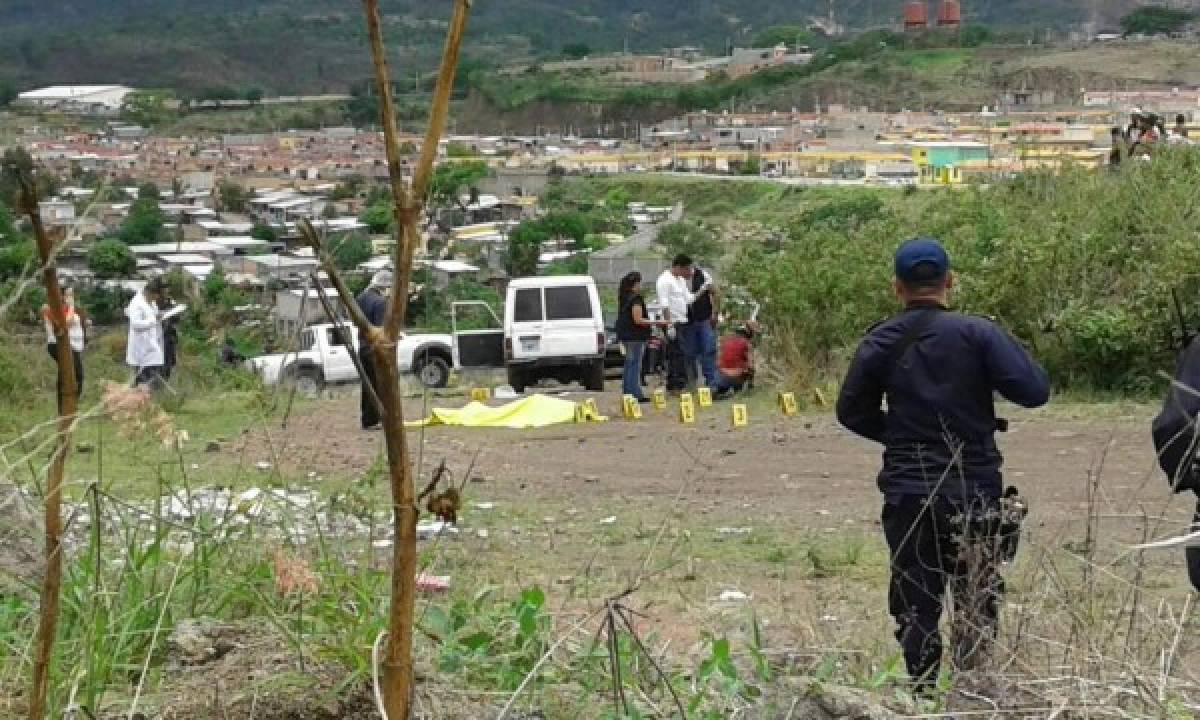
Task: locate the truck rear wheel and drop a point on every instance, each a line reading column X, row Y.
column 518, row 379
column 593, row 376
column 432, row 371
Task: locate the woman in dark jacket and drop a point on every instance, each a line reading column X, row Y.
column 634, row 327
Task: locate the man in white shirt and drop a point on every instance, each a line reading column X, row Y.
column 144, row 348
column 675, row 295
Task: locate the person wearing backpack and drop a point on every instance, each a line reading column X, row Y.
column 947, row 520
column 1177, row 440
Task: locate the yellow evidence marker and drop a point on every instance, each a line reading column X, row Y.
column 704, row 395
column 787, row 403
column 687, row 409
column 660, row 399
column 481, row 394
column 741, row 416
column 631, row 408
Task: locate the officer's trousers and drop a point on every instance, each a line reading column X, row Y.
column 936, row 546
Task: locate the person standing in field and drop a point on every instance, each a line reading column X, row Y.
column 634, row 328
column 1176, row 437
column 943, row 513
column 676, row 296
column 144, row 347
column 76, row 321
column 373, row 304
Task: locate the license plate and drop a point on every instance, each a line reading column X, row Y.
column 529, row 344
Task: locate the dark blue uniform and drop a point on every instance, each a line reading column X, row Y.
column 939, row 399
column 374, row 305
column 1177, row 439
column 938, row 372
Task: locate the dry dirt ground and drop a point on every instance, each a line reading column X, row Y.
column 785, row 512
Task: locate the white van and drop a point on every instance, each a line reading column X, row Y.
column 554, row 328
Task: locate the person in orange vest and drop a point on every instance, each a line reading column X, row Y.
column 76, row 335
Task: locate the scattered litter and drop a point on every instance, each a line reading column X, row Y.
column 610, row 520
column 564, row 580
column 433, row 583
column 437, row 527
column 381, row 544
column 481, row 533
column 829, row 618
column 734, row 531
column 733, row 596
column 784, row 477
column 484, row 505
column 823, row 513
column 212, row 446
column 548, row 520
column 312, row 474
column 83, row 448
column 263, row 465
column 505, row 392
column 195, row 466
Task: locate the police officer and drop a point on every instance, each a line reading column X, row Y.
column 1177, row 439
column 937, row 371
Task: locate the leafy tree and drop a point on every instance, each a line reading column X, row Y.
column 148, row 190
column 145, row 107
column 456, row 149
column 786, row 34
column 8, row 93
column 233, row 196
column 450, row 179
column 111, row 258
column 524, row 246
column 692, row 239
column 1155, row 20
column 144, row 224
column 378, row 217
column 408, row 147
column 264, row 232
column 104, row 305
column 752, row 166
column 572, row 226
column 254, row 95
column 576, row 50
column 352, row 250
column 577, row 264
column 430, row 308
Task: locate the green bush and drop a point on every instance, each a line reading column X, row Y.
column 1079, row 265
column 111, row 258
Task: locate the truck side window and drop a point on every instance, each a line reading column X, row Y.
column 568, row 303
column 527, row 305
column 335, row 338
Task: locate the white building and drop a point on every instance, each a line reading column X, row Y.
column 83, row 99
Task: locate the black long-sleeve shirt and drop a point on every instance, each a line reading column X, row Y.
column 938, row 428
column 1174, row 429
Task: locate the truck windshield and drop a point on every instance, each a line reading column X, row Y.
column 527, row 305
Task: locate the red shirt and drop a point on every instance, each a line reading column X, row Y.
column 735, row 353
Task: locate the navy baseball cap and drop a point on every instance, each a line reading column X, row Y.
column 922, row 260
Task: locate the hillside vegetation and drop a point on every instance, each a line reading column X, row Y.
column 1080, row 266
column 172, row 43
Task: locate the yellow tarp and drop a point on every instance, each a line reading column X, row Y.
column 529, row 412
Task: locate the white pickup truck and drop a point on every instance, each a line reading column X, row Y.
column 323, row 357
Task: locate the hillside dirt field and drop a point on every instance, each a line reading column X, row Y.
column 785, row 512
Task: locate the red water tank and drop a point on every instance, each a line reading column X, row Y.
column 949, row 13
column 916, row 15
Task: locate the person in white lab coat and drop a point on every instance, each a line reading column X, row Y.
column 144, row 349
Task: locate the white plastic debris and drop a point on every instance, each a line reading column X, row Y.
column 733, row 596
column 263, row 465
column 485, row 506
column 610, row 520
column 437, row 527
column 482, row 533
column 734, row 531
column 504, row 392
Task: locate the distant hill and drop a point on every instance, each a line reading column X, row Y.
column 318, row 45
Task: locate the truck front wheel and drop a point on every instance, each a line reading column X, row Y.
column 308, row 381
